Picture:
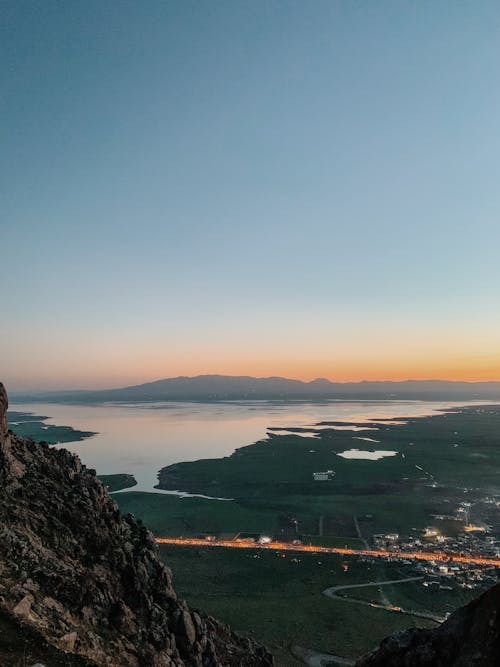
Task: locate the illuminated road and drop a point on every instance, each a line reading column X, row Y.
column 342, row 551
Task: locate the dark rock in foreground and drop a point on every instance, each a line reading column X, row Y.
column 89, row 581
column 469, row 638
column 20, row 646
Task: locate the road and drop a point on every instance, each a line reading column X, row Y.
column 333, row 590
column 316, row 659
column 342, row 551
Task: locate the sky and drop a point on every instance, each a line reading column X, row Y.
column 305, row 189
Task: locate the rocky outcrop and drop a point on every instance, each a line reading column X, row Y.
column 89, row 580
column 469, row 638
column 4, row 404
column 20, row 646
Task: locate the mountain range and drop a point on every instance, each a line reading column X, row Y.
column 227, row 387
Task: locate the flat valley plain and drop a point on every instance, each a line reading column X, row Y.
column 444, row 476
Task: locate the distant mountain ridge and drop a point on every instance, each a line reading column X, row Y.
column 228, row 387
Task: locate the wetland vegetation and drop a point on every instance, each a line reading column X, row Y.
column 28, row 425
column 440, row 460
column 118, row 482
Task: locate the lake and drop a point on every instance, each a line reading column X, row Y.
column 142, row 438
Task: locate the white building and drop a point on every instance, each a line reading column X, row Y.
column 323, row 476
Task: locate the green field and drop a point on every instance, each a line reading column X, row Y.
column 171, row 515
column 278, row 600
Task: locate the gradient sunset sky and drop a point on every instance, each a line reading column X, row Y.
column 266, row 187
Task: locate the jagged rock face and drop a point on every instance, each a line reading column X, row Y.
column 469, row 638
column 22, row 647
column 4, row 404
column 88, row 579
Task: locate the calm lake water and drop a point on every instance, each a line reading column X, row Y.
column 140, row 439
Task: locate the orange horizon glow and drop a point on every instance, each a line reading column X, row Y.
column 200, row 197
column 293, row 371
column 117, row 361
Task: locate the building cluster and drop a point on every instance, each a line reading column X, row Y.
column 438, row 574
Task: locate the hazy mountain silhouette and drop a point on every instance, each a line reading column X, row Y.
column 227, row 387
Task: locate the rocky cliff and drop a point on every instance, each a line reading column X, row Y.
column 469, row 638
column 88, row 580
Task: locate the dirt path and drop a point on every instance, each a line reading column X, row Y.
column 358, row 531
column 383, row 596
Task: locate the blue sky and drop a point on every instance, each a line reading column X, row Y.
column 295, row 188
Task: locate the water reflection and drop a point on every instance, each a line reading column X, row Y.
column 140, row 439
